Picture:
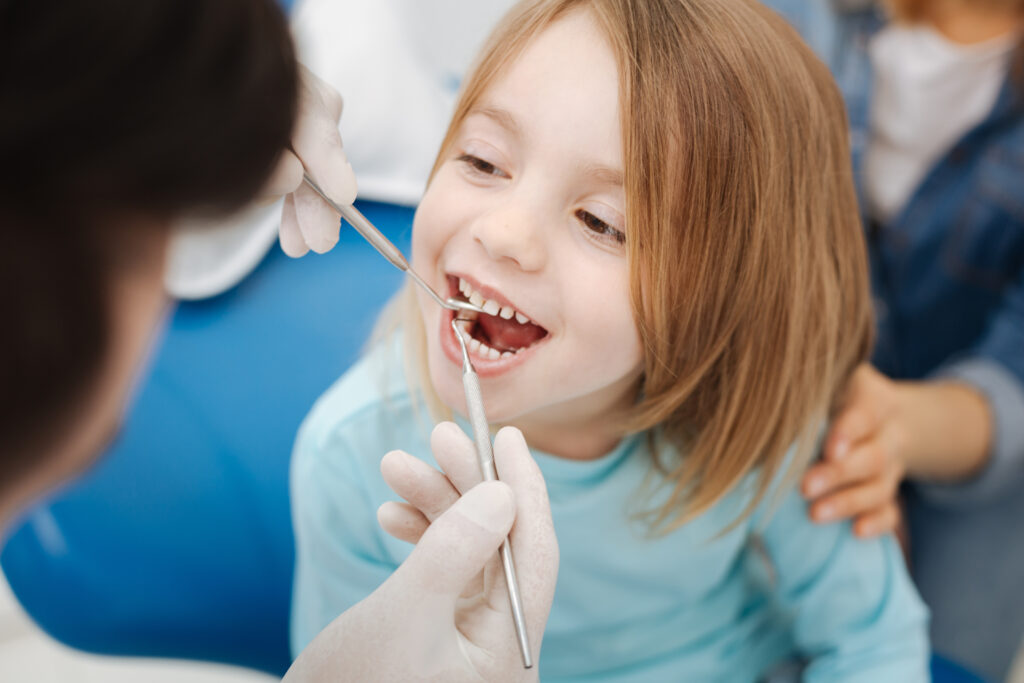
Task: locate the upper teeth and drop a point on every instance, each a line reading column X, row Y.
column 490, row 307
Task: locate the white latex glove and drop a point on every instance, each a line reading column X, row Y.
column 306, row 221
column 444, row 614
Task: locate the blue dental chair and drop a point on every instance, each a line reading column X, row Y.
column 179, row 543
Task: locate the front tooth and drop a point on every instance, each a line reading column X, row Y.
column 484, row 351
column 493, row 354
column 474, row 345
column 476, row 299
column 491, row 307
column 521, row 319
column 463, row 286
column 507, row 312
column 507, row 354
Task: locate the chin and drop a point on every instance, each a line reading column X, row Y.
column 446, row 381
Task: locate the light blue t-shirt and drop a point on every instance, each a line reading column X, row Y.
column 628, row 606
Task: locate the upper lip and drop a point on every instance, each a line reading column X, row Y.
column 489, row 293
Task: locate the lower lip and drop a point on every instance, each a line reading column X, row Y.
column 484, row 367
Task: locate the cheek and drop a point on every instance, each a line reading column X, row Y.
column 599, row 296
column 436, row 221
column 599, row 299
column 447, row 382
column 423, row 237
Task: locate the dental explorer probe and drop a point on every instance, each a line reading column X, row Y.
column 482, row 437
column 382, row 244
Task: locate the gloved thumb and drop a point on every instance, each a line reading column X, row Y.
column 459, row 544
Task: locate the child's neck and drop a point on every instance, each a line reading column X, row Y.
column 585, row 428
column 969, row 22
column 572, row 442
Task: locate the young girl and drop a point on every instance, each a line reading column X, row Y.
column 652, row 200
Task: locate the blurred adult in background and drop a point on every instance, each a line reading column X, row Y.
column 935, row 95
column 117, row 120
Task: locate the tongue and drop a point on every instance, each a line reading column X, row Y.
column 509, row 334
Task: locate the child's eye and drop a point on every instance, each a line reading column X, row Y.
column 481, row 166
column 598, row 226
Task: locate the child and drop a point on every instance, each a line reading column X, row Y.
column 652, row 199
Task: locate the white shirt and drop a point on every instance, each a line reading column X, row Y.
column 928, row 93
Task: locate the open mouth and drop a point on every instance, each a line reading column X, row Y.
column 500, row 332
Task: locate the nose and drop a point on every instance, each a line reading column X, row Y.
column 512, row 234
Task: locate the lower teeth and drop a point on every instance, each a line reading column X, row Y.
column 481, row 349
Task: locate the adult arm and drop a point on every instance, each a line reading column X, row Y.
column 994, row 371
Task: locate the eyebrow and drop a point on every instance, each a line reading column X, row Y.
column 604, row 174
column 500, row 116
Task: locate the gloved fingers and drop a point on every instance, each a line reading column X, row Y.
column 459, row 543
column 421, row 485
column 403, row 521
column 287, row 176
column 319, row 224
column 534, row 543
column 517, row 468
column 317, row 141
column 456, row 454
column 290, row 235
column 430, row 494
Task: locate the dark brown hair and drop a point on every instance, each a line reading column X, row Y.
column 116, row 117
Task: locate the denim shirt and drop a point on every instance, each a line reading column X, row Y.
column 948, row 270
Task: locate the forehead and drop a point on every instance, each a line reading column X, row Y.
column 562, row 90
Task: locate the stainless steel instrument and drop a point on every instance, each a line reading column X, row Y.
column 382, row 244
column 485, row 455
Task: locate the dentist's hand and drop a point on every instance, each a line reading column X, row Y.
column 444, row 614
column 306, row 221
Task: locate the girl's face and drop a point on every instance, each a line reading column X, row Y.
column 526, row 213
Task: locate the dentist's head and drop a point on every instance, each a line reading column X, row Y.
column 114, row 122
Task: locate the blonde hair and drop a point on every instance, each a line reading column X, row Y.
column 747, row 264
